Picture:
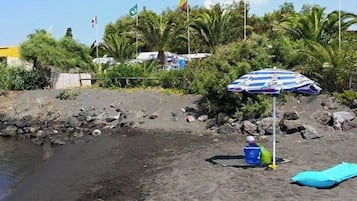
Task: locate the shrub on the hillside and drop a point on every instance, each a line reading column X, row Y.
column 22, row 79
column 68, row 94
column 347, row 97
column 115, row 76
column 171, row 79
column 4, row 77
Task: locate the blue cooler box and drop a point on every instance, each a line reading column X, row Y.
column 252, row 155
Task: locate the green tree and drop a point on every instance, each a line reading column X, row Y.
column 156, row 32
column 76, row 55
column 313, row 25
column 212, row 26
column 69, row 33
column 329, row 65
column 41, row 50
column 120, row 48
column 44, row 51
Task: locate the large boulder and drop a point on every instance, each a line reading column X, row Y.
column 322, row 117
column 341, row 117
column 9, row 131
column 265, row 125
column 353, row 104
column 249, row 127
column 290, row 115
column 291, row 126
column 330, row 103
column 309, row 133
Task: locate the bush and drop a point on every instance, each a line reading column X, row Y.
column 171, row 79
column 68, row 94
column 112, row 77
column 21, row 79
column 346, row 97
column 5, row 80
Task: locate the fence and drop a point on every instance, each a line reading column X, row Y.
column 69, row 80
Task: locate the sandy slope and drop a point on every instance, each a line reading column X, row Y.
column 157, row 165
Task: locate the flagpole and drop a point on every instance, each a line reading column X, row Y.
column 339, row 24
column 96, row 35
column 188, row 28
column 245, row 20
column 136, row 34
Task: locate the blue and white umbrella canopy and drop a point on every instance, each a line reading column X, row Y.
column 274, row 81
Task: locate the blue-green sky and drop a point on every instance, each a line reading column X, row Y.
column 19, row 18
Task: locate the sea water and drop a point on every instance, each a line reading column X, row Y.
column 18, row 158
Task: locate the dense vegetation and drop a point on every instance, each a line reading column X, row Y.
column 308, row 41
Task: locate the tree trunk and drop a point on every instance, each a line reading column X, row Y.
column 161, row 59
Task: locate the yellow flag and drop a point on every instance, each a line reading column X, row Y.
column 183, row 4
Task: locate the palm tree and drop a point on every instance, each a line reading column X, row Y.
column 119, row 47
column 156, row 32
column 212, row 26
column 329, row 65
column 313, row 25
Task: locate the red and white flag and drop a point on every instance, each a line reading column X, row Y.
column 94, row 21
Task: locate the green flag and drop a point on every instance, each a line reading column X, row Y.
column 134, row 10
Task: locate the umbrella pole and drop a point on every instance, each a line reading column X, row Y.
column 274, row 166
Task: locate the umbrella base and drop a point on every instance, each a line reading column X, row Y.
column 273, row 166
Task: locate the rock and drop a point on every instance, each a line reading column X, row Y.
column 265, row 125
column 101, row 116
column 226, row 130
column 190, row 118
column 154, row 115
column 203, row 117
column 329, row 103
column 90, row 118
column 211, row 123
column 189, row 110
column 291, row 126
column 96, row 132
column 57, row 142
column 139, row 114
column 3, row 92
column 111, row 119
column 77, row 134
column 9, row 131
column 174, row 116
column 290, row 115
column 340, row 117
column 353, row 104
column 220, row 119
column 309, row 133
column 37, row 141
column 322, row 117
column 348, row 125
column 73, row 122
column 20, row 123
column 354, row 111
column 41, row 134
column 20, row 131
column 249, row 127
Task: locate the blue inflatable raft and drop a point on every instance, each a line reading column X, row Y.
column 326, row 178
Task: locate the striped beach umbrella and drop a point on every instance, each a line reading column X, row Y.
column 274, row 81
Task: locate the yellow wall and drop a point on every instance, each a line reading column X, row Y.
column 11, row 51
